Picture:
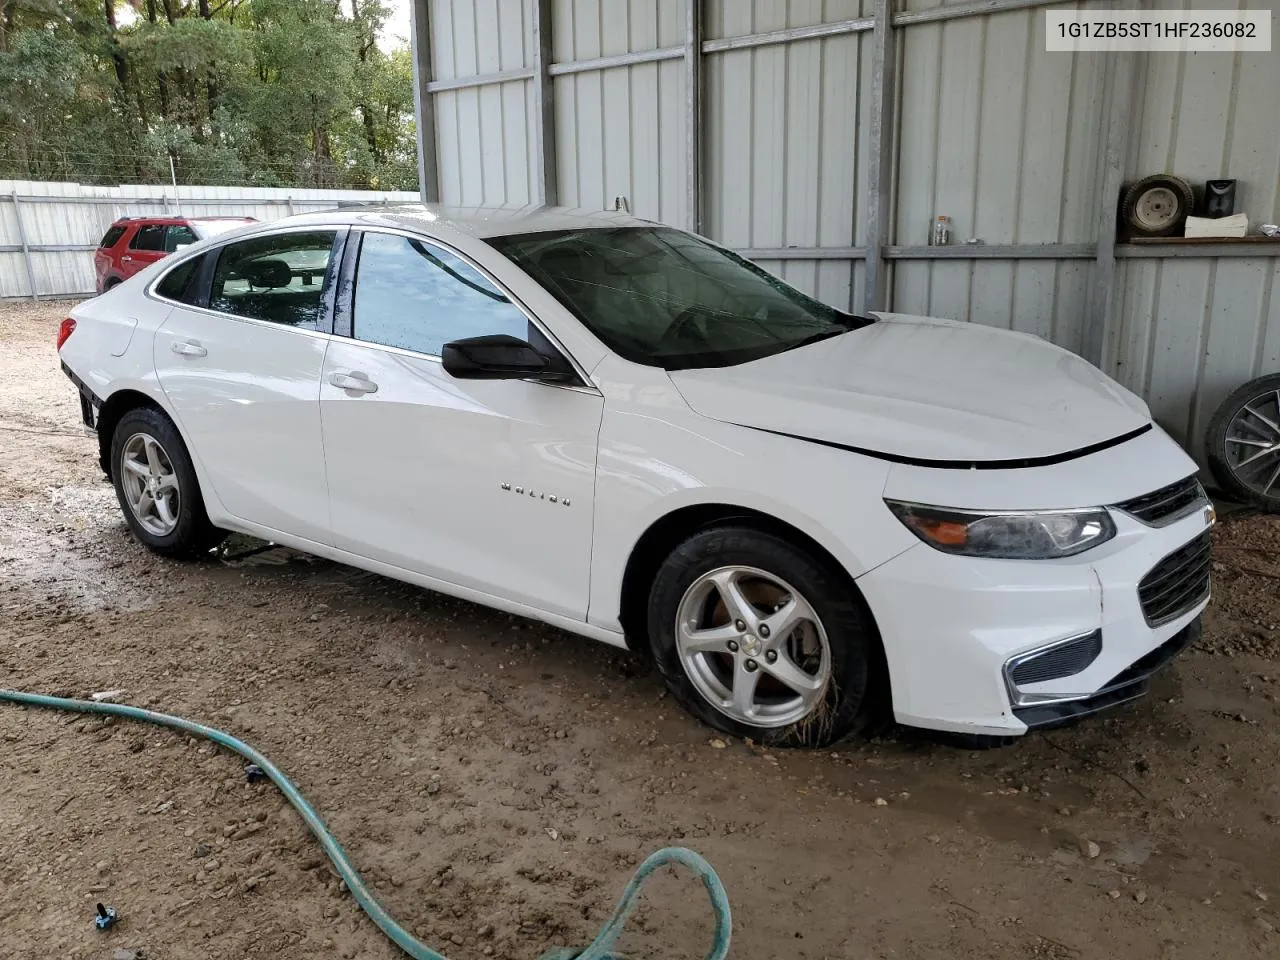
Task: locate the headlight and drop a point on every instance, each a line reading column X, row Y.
column 1009, row 535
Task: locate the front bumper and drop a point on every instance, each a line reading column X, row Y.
column 952, row 626
column 1127, row 685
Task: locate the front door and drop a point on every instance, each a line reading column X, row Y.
column 487, row 484
column 241, row 367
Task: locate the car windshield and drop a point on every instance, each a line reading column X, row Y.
column 665, row 298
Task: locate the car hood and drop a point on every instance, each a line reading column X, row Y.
column 926, row 390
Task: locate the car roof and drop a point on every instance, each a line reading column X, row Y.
column 479, row 222
column 173, row 218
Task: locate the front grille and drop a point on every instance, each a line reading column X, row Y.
column 1064, row 660
column 1163, row 506
column 1177, row 583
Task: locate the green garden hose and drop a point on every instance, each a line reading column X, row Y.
column 601, row 948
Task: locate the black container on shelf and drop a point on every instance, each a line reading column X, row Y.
column 1219, row 198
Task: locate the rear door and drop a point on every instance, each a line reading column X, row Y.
column 241, row 367
column 146, row 246
column 487, row 484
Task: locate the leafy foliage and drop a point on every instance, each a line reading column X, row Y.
column 256, row 92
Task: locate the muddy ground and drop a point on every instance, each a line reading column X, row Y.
column 498, row 780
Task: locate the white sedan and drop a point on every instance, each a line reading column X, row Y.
column 805, row 517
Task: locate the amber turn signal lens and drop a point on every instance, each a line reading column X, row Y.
column 946, row 533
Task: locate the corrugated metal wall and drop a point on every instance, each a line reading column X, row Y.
column 75, row 216
column 786, row 158
column 1192, row 329
column 990, row 129
column 1003, row 138
column 619, row 132
column 485, row 137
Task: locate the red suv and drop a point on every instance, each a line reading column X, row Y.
column 136, row 242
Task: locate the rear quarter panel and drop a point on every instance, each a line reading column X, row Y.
column 111, row 351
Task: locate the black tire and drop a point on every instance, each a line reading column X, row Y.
column 113, row 282
column 1163, row 218
column 193, row 534
column 858, row 679
column 1263, row 395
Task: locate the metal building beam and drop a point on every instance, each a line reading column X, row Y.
column 693, row 92
column 481, row 80
column 22, row 242
column 960, row 11
column 995, row 251
column 424, row 106
column 879, row 198
column 616, row 60
column 1120, row 94
column 791, row 35
column 544, row 107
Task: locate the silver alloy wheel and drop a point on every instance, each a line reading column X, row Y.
column 753, row 647
column 150, row 484
column 1253, row 444
column 1156, row 208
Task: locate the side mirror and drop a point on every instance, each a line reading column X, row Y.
column 494, row 357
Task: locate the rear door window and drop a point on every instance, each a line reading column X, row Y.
column 149, row 237
column 112, row 236
column 178, row 235
column 278, row 278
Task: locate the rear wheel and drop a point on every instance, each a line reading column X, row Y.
column 156, row 484
column 759, row 639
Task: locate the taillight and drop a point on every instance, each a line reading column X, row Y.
column 65, row 330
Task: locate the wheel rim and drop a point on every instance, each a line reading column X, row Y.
column 1156, row 208
column 753, row 646
column 1253, row 444
column 150, row 484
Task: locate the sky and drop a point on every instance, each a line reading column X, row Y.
column 396, row 31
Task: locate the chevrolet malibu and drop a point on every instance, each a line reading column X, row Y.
column 805, row 517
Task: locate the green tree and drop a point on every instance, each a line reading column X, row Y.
column 271, row 92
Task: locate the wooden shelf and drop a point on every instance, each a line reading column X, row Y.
column 1182, row 241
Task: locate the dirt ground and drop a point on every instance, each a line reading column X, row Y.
column 497, row 780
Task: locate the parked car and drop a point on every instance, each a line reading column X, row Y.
column 132, row 243
column 626, row 431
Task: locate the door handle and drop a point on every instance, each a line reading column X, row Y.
column 189, row 348
column 126, row 258
column 354, row 382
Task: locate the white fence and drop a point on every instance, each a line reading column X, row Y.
column 48, row 231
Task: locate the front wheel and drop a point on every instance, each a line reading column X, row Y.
column 156, row 484
column 757, row 638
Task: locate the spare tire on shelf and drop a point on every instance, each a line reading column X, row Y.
column 1157, row 206
column 1243, row 444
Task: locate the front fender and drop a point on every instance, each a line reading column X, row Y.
column 650, row 465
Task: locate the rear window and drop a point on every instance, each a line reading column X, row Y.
column 182, row 283
column 112, row 236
